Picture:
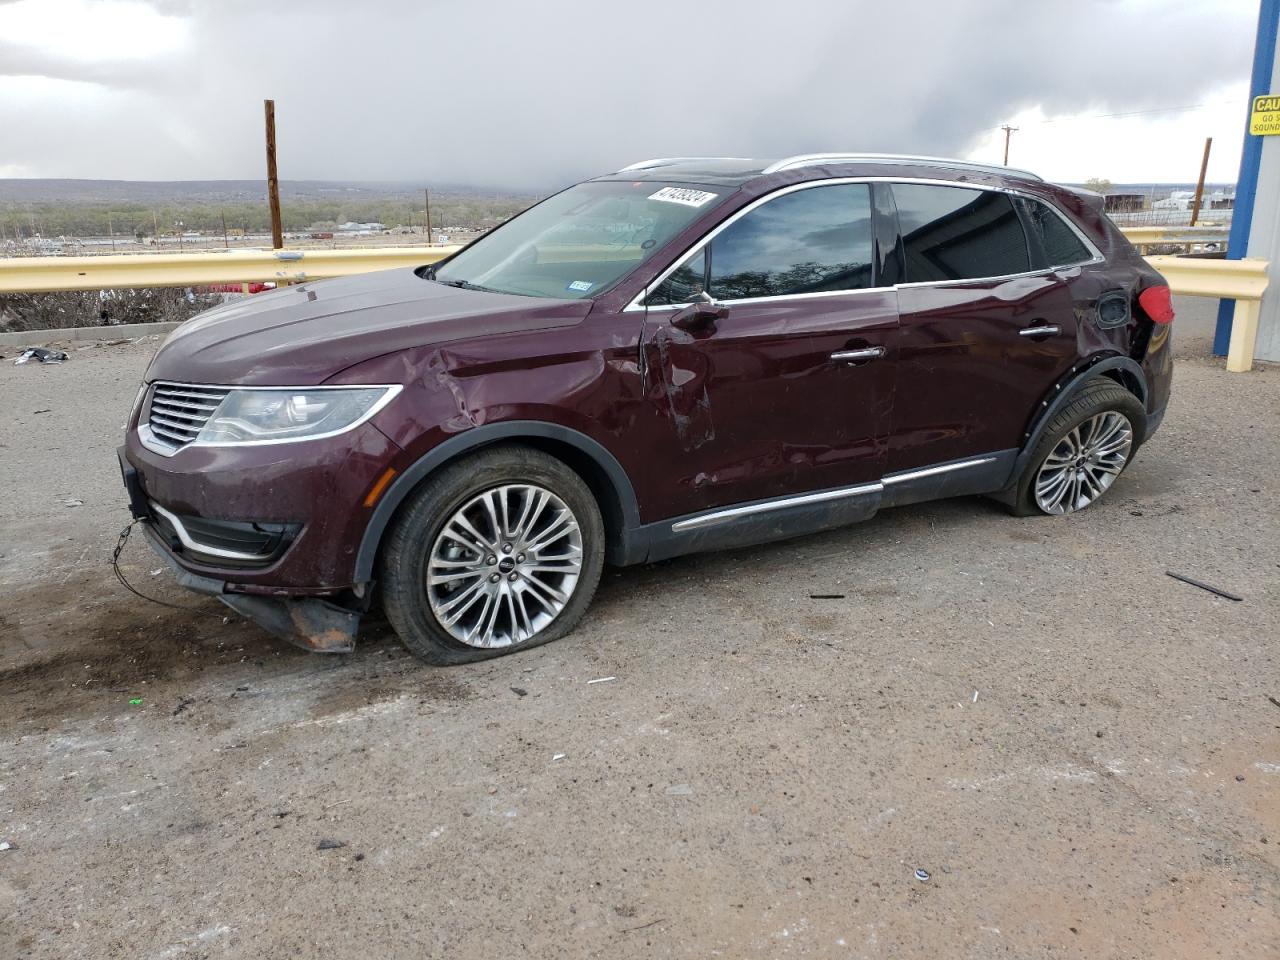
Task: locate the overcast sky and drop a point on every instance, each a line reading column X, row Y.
column 537, row 93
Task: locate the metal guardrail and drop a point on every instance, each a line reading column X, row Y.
column 1241, row 280
column 1144, row 237
column 1244, row 281
column 120, row 271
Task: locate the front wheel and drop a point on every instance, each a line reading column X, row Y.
column 1085, row 448
column 500, row 551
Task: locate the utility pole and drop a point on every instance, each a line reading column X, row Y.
column 273, row 184
column 1204, row 166
column 426, row 195
column 225, row 242
column 1008, row 132
column 111, row 230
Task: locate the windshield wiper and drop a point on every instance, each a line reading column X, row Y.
column 465, row 285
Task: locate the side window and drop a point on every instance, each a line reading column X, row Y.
column 954, row 233
column 808, row 241
column 685, row 282
column 1060, row 244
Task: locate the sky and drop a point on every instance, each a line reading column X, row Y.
column 534, row 94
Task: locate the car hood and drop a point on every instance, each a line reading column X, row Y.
column 305, row 334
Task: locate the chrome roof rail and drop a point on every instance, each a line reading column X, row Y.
column 814, row 159
column 663, row 161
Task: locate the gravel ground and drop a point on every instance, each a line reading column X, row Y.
column 1083, row 753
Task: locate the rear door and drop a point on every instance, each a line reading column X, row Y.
column 791, row 390
column 987, row 327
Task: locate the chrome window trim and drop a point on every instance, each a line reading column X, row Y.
column 637, row 302
column 732, row 513
column 147, row 438
column 195, row 546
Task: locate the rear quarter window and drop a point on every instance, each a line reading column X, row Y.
column 1060, row 244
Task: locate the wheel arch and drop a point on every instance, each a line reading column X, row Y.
column 599, row 469
column 1114, row 367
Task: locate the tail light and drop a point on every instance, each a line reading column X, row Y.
column 1157, row 303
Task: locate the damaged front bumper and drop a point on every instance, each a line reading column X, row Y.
column 311, row 622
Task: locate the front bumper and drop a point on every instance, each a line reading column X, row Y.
column 308, row 622
column 279, row 520
column 271, row 532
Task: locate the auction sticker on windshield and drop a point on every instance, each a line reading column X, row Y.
column 690, row 198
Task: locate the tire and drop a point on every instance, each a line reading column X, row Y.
column 486, row 604
column 1091, row 415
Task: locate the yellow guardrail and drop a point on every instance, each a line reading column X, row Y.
column 1143, row 237
column 1244, row 281
column 1241, row 280
column 118, row 271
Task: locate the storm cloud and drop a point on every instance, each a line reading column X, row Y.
column 532, row 95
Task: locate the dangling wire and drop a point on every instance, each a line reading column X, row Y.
column 115, row 566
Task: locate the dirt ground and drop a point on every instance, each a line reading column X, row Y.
column 1082, row 753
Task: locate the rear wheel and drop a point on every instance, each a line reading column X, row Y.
column 1085, row 448
column 497, row 552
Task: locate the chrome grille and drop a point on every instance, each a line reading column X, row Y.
column 179, row 411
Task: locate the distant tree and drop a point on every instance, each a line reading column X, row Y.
column 1098, row 185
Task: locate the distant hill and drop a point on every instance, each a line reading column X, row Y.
column 24, row 192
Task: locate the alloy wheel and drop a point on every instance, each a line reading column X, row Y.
column 1084, row 463
column 504, row 565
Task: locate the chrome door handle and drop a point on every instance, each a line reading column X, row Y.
column 1044, row 331
column 865, row 353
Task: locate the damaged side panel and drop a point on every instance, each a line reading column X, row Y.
column 754, row 406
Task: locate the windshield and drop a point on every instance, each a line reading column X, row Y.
column 579, row 242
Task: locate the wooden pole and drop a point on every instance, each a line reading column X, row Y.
column 426, row 195
column 273, row 184
column 1008, row 132
column 1204, row 166
column 111, row 230
column 225, row 242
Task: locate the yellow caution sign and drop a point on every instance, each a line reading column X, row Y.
column 1264, row 121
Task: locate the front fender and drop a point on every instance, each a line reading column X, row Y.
column 512, row 430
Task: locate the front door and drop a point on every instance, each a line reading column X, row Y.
column 790, row 391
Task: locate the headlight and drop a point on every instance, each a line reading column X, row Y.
column 279, row 413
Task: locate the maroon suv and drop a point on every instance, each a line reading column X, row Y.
column 685, row 355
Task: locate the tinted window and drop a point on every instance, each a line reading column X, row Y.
column 813, row 240
column 808, row 241
column 1061, row 245
column 953, row 233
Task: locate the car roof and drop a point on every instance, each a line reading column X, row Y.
column 735, row 171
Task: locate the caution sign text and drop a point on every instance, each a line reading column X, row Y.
column 1264, row 120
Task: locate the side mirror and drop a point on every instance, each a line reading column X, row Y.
column 701, row 315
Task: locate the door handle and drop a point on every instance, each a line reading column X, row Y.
column 863, row 353
column 1044, row 330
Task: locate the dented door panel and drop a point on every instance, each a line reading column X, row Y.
column 755, row 407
